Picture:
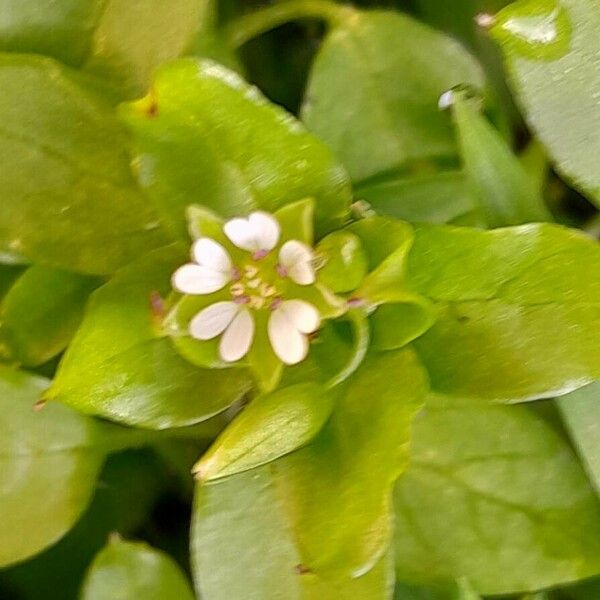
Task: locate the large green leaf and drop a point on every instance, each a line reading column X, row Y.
column 337, row 489
column 551, row 52
column 581, row 413
column 49, row 460
column 495, row 495
column 132, row 571
column 120, row 40
column 519, row 310
column 118, row 367
column 374, row 100
column 241, row 526
column 41, row 312
column 271, row 426
column 205, row 136
column 68, row 197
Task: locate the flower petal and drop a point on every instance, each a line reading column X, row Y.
column 303, row 315
column 213, row 320
column 194, row 279
column 266, row 230
column 288, row 343
column 209, row 253
column 297, row 259
column 260, row 231
column 237, row 338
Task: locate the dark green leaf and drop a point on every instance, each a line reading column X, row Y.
column 374, row 100
column 134, row 571
column 519, row 310
column 119, row 368
column 269, row 427
column 205, row 136
column 41, row 312
column 550, row 48
column 495, row 495
column 49, row 460
column 68, row 197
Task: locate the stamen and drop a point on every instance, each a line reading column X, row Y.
column 237, row 289
column 235, row 274
column 250, row 271
column 254, row 283
column 355, row 302
column 242, row 299
column 256, row 302
column 275, row 303
column 267, row 290
column 281, row 271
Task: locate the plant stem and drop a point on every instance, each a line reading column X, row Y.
column 250, row 26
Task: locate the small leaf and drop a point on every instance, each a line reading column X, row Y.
column 68, row 197
column 493, row 494
column 41, row 313
column 49, row 461
column 261, row 549
column 344, row 261
column 119, row 368
column 204, row 134
column 269, row 427
column 375, row 101
column 131, row 571
column 518, row 310
column 503, row 189
column 555, row 77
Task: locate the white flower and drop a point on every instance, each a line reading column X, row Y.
column 254, row 287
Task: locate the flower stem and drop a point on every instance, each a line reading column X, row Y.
column 250, row 26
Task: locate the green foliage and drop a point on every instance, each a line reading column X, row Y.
column 309, row 326
column 129, row 571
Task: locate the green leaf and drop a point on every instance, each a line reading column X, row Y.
column 49, row 461
column 204, row 135
column 442, row 197
column 550, row 49
column 495, row 495
column 131, row 571
column 580, row 411
column 261, row 549
column 269, row 427
column 117, row 367
column 503, row 189
column 41, row 313
column 375, row 101
column 518, row 310
column 337, row 489
column 68, row 197
column 118, row 40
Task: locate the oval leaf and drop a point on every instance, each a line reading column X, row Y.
column 131, row 571
column 269, row 427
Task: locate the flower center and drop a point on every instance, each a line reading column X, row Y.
column 252, row 288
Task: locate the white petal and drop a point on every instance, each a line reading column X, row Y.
column 213, row 320
column 260, row 231
column 266, row 230
column 211, row 254
column 296, row 257
column 303, row 315
column 194, row 279
column 288, row 343
column 240, row 232
column 237, row 338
